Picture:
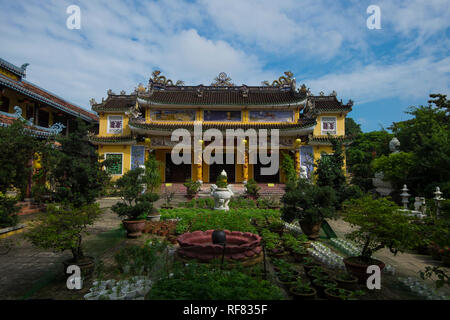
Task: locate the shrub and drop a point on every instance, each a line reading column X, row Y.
column 17, row 147
column 62, row 228
column 309, row 203
column 192, row 187
column 138, row 260
column 8, row 211
column 380, row 224
column 288, row 167
column 199, row 282
column 241, row 202
column 206, row 219
column 252, row 188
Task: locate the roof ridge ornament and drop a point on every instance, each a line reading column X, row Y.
column 157, row 79
column 222, row 80
column 287, row 80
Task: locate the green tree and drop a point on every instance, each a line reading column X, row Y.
column 380, row 225
column 152, row 176
column 309, row 203
column 352, row 128
column 288, row 167
column 329, row 170
column 18, row 148
column 74, row 168
column 396, row 167
column 426, row 135
column 364, row 148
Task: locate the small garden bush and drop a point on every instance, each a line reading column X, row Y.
column 138, row 260
column 8, row 211
column 199, row 282
column 204, row 219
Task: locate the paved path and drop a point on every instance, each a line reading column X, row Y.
column 406, row 264
column 25, row 265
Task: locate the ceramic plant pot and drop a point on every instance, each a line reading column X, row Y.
column 134, row 227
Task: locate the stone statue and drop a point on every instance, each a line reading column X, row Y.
column 303, row 172
column 394, row 145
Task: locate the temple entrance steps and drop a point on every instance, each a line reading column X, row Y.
column 28, row 207
column 267, row 189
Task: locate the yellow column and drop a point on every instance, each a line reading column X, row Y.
column 297, row 162
column 199, row 163
column 245, row 167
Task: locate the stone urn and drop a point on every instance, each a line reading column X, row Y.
column 222, row 197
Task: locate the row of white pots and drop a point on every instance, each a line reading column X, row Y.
column 134, row 289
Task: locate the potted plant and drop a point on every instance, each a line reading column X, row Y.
column 168, row 197
column 286, row 276
column 317, row 272
column 154, row 215
column 322, row 283
column 136, row 205
column 299, row 253
column 301, row 290
column 379, row 225
column 192, row 188
column 332, row 292
column 277, row 227
column 346, row 280
column 310, row 204
column 309, row 263
column 252, row 189
column 62, row 228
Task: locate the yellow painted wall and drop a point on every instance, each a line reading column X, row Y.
column 160, row 155
column 9, row 74
column 103, row 125
column 126, row 159
column 340, row 124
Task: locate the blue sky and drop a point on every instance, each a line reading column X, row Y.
column 326, row 44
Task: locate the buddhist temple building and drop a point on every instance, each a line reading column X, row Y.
column 43, row 112
column 134, row 125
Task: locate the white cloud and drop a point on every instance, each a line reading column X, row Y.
column 122, row 42
column 415, row 78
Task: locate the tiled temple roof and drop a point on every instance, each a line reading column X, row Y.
column 329, row 104
column 112, row 140
column 115, row 102
column 222, row 96
column 20, row 72
column 34, row 130
column 325, row 140
column 37, row 93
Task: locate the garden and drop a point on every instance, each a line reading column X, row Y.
column 316, row 242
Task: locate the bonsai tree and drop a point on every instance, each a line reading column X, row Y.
column 380, row 225
column 252, row 188
column 310, row 204
column 136, row 205
column 62, row 228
